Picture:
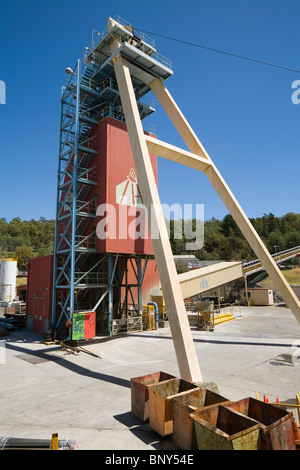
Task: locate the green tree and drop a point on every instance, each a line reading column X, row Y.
column 292, row 239
column 181, row 267
column 23, row 253
column 275, row 241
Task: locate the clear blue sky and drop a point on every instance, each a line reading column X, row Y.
column 241, row 110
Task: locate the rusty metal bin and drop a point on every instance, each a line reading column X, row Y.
column 161, row 396
column 185, row 404
column 140, row 393
column 217, row 427
column 276, row 427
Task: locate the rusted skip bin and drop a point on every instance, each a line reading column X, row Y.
column 140, row 393
column 217, row 427
column 276, row 427
column 183, row 406
column 161, row 397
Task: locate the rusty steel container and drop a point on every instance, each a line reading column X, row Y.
column 185, row 404
column 276, row 427
column 140, row 392
column 161, row 397
column 218, row 427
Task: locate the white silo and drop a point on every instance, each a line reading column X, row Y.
column 8, row 279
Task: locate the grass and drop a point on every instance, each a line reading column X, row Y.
column 292, row 276
column 21, row 281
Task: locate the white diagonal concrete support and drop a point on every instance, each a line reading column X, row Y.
column 226, row 195
column 183, row 342
column 175, row 154
column 178, row 119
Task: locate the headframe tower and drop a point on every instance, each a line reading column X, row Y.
column 133, row 63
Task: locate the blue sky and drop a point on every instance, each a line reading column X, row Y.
column 242, row 111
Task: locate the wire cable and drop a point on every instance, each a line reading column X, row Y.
column 222, row 52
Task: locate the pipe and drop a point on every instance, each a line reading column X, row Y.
column 157, row 313
column 10, row 443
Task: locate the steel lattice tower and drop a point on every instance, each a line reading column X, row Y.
column 83, row 277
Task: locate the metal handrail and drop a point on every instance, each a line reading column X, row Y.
column 85, row 241
column 144, row 37
column 91, row 278
column 86, row 206
column 97, row 36
column 88, row 174
column 255, row 262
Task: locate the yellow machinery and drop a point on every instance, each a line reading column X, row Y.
column 205, row 315
column 148, row 317
column 208, row 317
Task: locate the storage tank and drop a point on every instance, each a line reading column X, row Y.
column 8, row 278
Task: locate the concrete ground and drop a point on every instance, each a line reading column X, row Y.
column 44, row 389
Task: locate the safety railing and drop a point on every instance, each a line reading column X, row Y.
column 143, row 44
column 93, row 278
column 116, row 112
column 231, row 309
column 87, row 207
column 85, row 241
column 280, row 256
column 129, row 324
column 88, row 175
column 209, row 317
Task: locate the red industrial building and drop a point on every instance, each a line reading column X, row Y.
column 118, row 188
column 103, row 264
column 39, row 294
column 119, row 206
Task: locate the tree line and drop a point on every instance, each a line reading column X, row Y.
column 26, row 239
column 222, row 238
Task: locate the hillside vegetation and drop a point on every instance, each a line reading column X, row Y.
column 222, row 238
column 292, row 276
column 26, row 238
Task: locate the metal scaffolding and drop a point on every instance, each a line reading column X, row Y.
column 85, row 279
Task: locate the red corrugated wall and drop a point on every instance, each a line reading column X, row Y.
column 150, row 282
column 39, row 292
column 116, row 177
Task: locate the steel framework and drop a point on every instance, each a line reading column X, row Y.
column 197, row 157
column 84, row 279
column 118, row 56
